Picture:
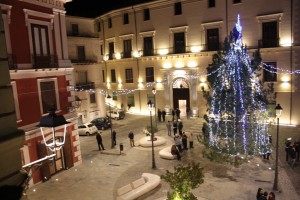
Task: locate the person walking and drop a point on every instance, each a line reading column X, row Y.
column 178, row 142
column 114, row 138
column 187, row 112
column 184, row 141
column 163, row 114
column 99, row 141
column 159, row 115
column 131, row 138
column 175, row 127
column 180, row 127
column 168, row 124
column 177, row 112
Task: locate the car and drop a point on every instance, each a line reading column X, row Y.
column 116, row 114
column 101, row 123
column 87, row 129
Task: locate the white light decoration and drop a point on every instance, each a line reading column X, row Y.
column 167, row 65
column 192, row 64
column 179, row 64
column 163, row 51
column 137, row 54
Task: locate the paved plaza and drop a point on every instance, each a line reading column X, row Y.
column 103, row 172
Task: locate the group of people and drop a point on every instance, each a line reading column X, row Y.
column 177, row 127
column 181, row 143
column 161, row 115
column 292, row 151
column 264, row 195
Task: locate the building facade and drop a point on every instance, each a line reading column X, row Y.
column 41, row 77
column 168, row 45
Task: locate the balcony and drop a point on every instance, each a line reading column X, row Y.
column 85, row 86
column 89, row 60
column 268, row 43
column 42, row 62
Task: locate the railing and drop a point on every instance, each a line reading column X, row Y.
column 87, row 35
column 83, row 61
column 268, row 43
column 85, row 86
column 41, row 62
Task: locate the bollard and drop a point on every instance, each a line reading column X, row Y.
column 121, row 148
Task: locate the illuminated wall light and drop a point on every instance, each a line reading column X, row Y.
column 196, row 49
column 192, row 64
column 163, row 51
column 140, row 85
column 286, row 42
column 118, row 56
column 159, row 85
column 167, row 65
column 179, row 64
column 285, row 79
column 179, row 72
column 105, row 58
column 137, row 54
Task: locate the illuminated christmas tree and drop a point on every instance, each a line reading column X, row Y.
column 237, row 120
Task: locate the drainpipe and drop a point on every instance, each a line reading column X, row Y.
column 226, row 13
column 291, row 62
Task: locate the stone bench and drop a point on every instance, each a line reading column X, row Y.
column 138, row 187
column 166, row 153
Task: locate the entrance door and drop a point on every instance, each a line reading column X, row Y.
column 180, row 95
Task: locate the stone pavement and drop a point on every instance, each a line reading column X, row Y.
column 101, row 174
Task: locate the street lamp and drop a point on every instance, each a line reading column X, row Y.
column 111, row 134
column 278, row 109
column 154, row 92
column 150, row 106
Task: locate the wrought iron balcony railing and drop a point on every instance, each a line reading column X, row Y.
column 41, row 62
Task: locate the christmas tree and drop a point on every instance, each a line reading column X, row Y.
column 237, row 119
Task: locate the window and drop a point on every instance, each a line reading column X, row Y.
column 129, row 75
column 92, row 97
column 148, row 46
column 101, row 50
column 125, row 18
column 48, row 95
column 103, row 76
column 212, row 38
column 268, row 75
column 146, row 14
column 75, row 29
column 177, row 8
column 98, row 26
column 113, row 75
column 82, row 77
column 114, row 96
column 109, row 23
column 149, row 74
column 127, row 48
column 130, row 100
column 211, row 3
column 269, row 34
column 179, row 42
column 80, row 53
column 111, row 50
column 237, row 1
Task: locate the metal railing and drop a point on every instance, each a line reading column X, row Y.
column 85, row 86
column 42, row 62
column 268, row 43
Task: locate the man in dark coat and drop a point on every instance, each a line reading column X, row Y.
column 114, row 138
column 99, row 141
column 177, row 113
column 173, row 114
column 159, row 115
column 163, row 114
column 131, row 138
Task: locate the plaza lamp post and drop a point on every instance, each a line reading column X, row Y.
column 150, row 106
column 111, row 134
column 278, row 109
column 155, row 107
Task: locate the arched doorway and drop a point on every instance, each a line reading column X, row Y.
column 181, row 95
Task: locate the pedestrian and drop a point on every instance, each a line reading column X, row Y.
column 287, row 147
column 175, row 127
column 178, row 142
column 259, row 193
column 168, row 124
column 297, row 147
column 184, row 141
column 187, row 112
column 99, row 141
column 114, row 138
column 292, row 154
column 177, row 112
column 173, row 115
column 163, row 114
column 271, row 196
column 264, row 196
column 131, row 138
column 180, row 127
column 191, row 141
column 175, row 151
column 159, row 115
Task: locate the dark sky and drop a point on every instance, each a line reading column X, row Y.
column 94, row 8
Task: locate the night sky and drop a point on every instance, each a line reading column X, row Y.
column 94, row 8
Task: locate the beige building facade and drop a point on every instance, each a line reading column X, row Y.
column 167, row 44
